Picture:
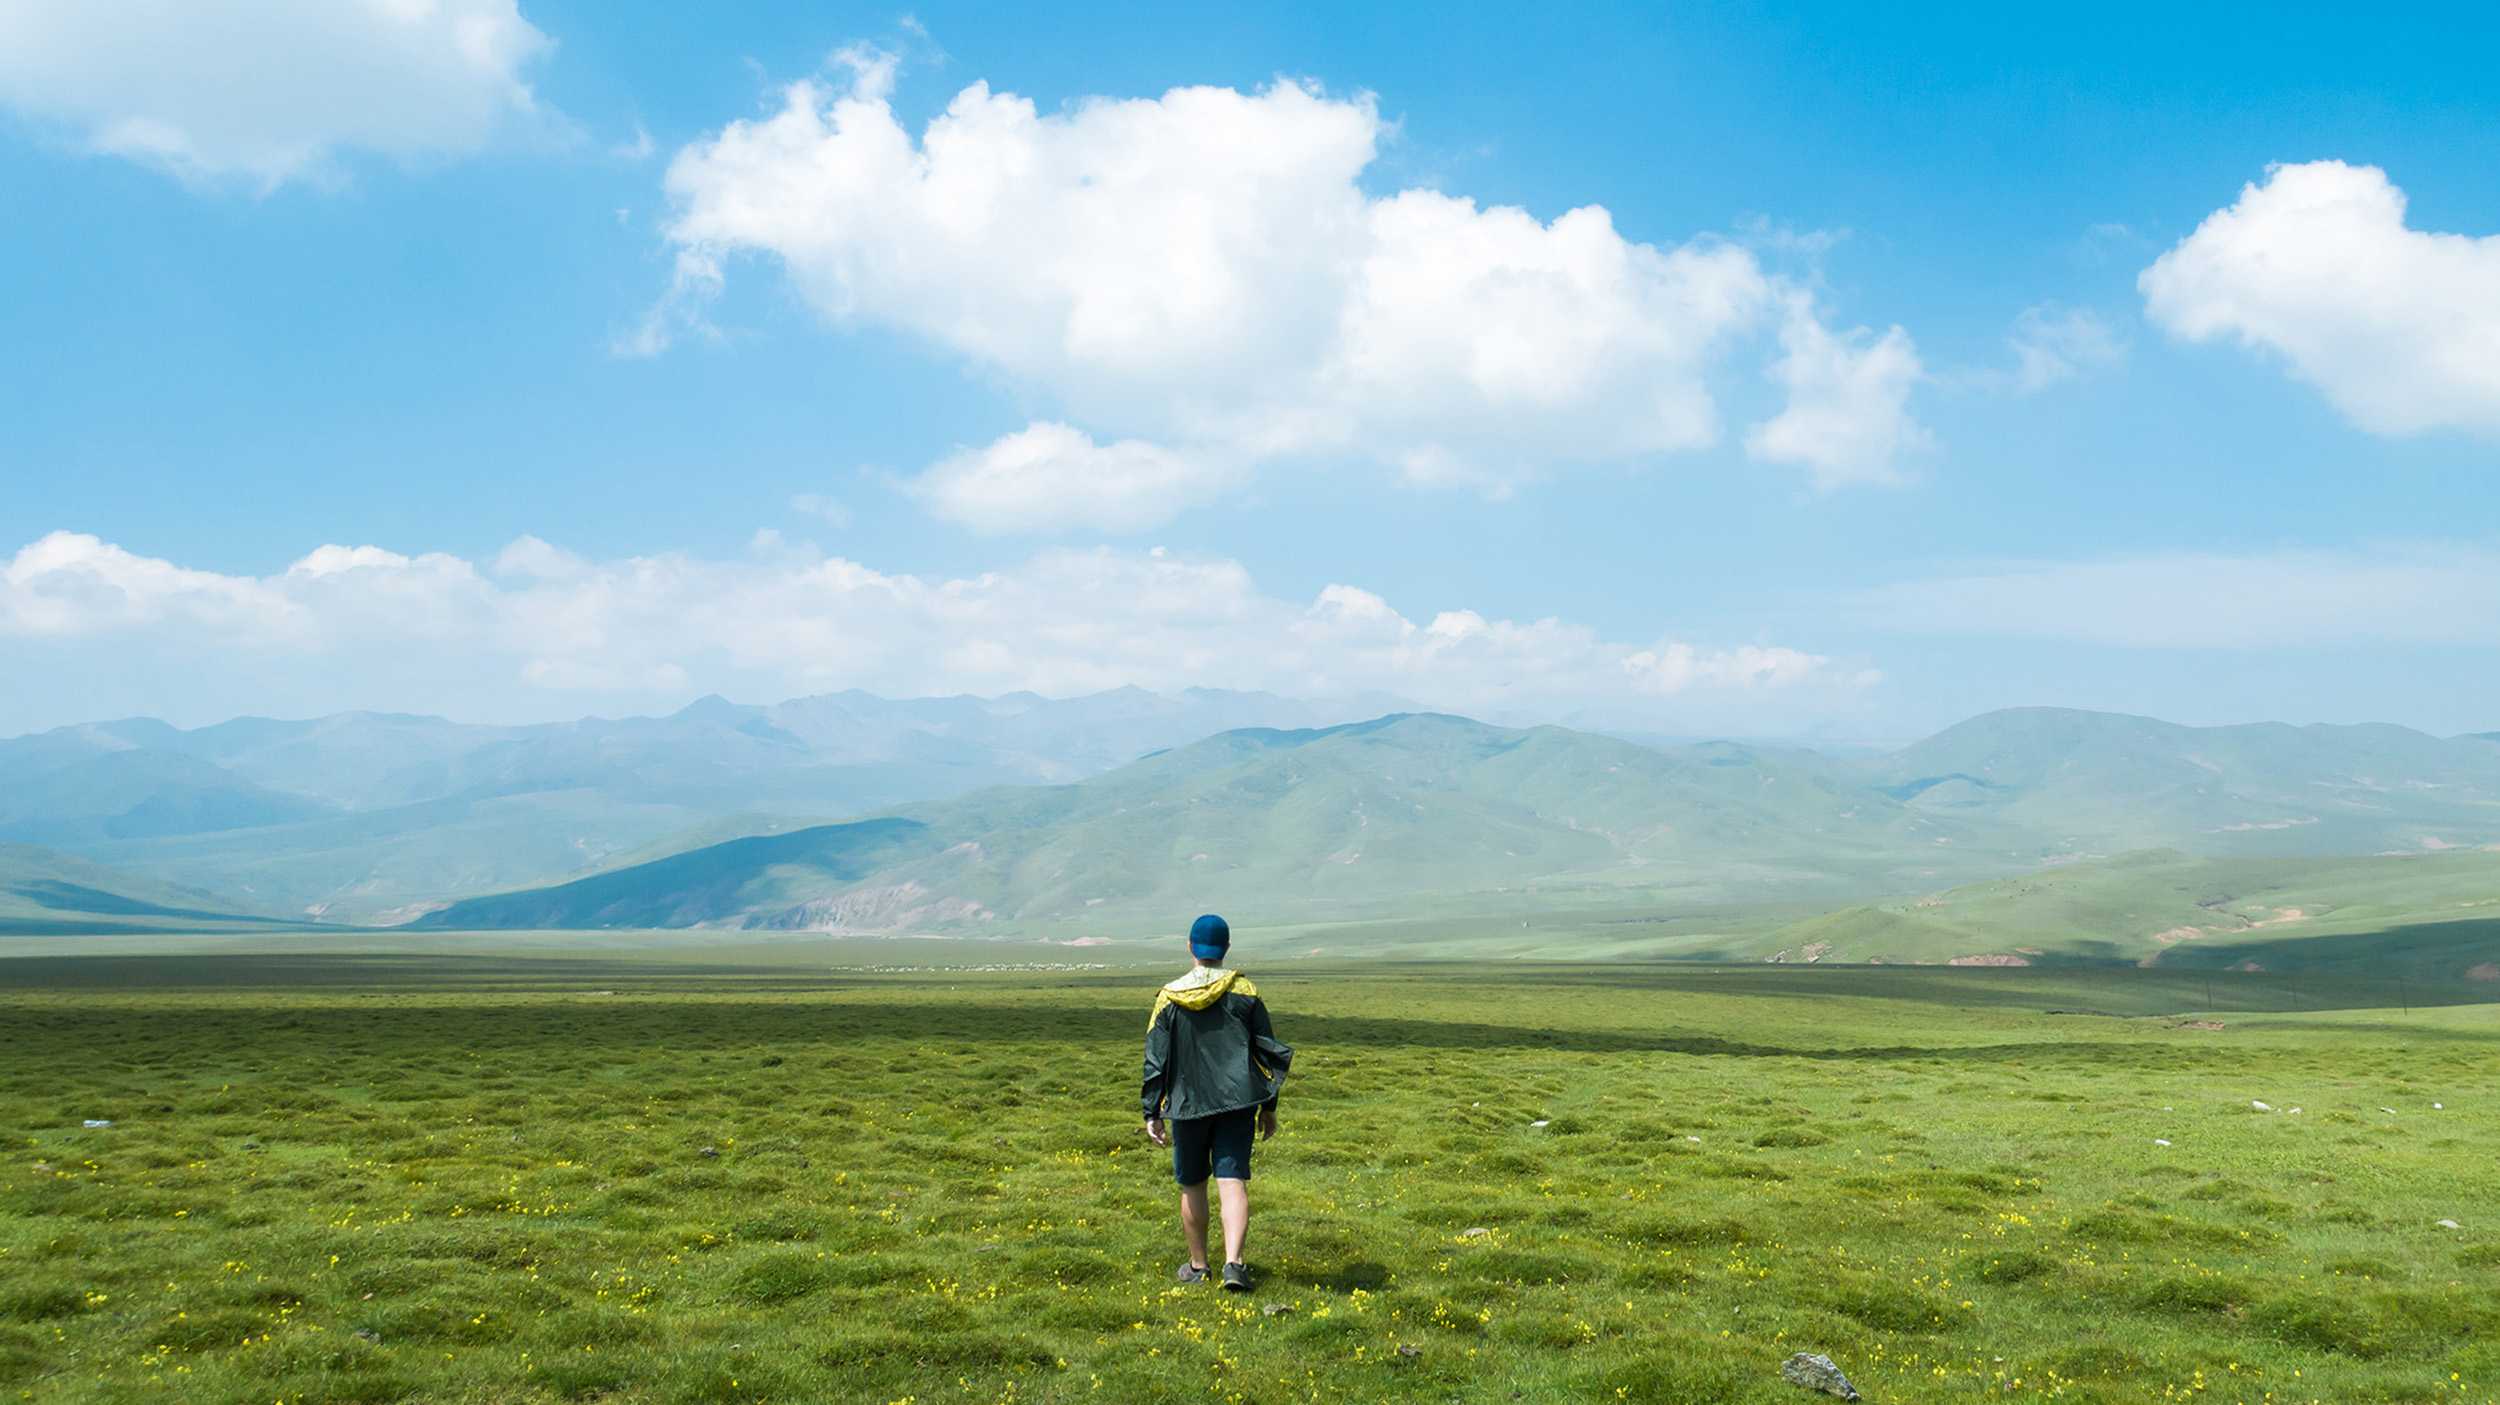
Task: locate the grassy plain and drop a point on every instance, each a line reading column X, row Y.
column 740, row 1175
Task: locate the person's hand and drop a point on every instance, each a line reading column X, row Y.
column 1155, row 1132
column 1267, row 1122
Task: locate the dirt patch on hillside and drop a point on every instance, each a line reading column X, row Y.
column 1993, row 958
column 2176, row 935
column 2198, row 1024
column 2488, row 971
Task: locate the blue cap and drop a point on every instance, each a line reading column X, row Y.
column 1209, row 938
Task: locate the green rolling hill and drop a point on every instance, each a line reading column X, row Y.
column 45, row 893
column 2438, row 914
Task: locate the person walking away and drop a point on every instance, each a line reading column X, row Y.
column 1213, row 1071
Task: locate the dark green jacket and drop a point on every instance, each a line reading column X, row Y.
column 1209, row 1048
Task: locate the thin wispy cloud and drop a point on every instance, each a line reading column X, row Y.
column 267, row 92
column 2434, row 593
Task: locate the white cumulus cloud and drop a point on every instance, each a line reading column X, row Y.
column 1051, row 475
column 2398, row 327
column 542, row 631
column 1848, row 415
column 1204, row 272
column 269, row 91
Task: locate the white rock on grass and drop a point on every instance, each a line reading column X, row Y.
column 2261, row 1107
column 1815, row 1371
column 2450, row 1224
column 1538, row 1123
column 2161, row 1141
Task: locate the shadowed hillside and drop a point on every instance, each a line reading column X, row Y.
column 49, row 893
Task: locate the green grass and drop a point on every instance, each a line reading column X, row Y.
column 426, row 1178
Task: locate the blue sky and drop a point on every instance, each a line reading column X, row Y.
column 253, row 315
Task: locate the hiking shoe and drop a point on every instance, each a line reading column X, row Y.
column 1190, row 1273
column 1236, row 1278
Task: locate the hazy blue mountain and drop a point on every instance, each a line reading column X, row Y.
column 94, row 785
column 374, row 816
column 2101, row 782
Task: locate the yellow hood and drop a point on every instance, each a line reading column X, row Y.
column 1200, row 987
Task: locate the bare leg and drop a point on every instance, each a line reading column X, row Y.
column 1235, row 1196
column 1194, row 1220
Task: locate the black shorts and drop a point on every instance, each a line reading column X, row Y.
column 1220, row 1143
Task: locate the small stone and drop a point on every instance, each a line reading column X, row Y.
column 1476, row 1233
column 1691, row 1138
column 367, row 1334
column 2450, row 1224
column 1539, row 1122
column 2161, row 1141
column 2295, row 1112
column 709, row 1153
column 43, row 1168
column 2261, row 1107
column 2388, row 1110
column 99, row 1122
column 1274, row 1309
column 1815, row 1371
column 2439, row 1107
column 1409, row 1351
column 251, row 1146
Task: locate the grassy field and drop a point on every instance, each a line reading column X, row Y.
column 737, row 1176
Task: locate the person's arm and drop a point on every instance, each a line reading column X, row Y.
column 1158, row 1058
column 1259, row 1030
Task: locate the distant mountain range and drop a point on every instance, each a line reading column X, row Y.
column 368, row 817
column 1422, row 813
column 1110, row 812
